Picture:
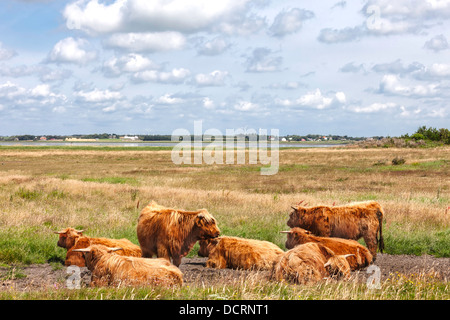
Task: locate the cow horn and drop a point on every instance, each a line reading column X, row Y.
column 114, row 249
column 82, row 250
column 58, row 232
column 348, row 255
column 294, row 208
column 328, row 263
column 80, row 231
column 289, row 231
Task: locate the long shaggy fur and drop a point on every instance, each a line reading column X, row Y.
column 171, row 233
column 71, row 239
column 362, row 256
column 240, row 253
column 353, row 221
column 110, row 269
column 305, row 264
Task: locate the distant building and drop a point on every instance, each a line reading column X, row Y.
column 80, row 140
column 130, row 138
column 43, row 138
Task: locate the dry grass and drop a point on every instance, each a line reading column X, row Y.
column 46, row 190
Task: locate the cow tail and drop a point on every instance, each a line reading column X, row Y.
column 380, row 239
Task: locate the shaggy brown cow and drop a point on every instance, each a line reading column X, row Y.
column 353, row 221
column 71, row 239
column 307, row 263
column 110, row 269
column 362, row 256
column 171, row 233
column 239, row 253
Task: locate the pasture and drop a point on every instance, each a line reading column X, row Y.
column 103, row 190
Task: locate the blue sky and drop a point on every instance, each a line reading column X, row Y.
column 358, row 68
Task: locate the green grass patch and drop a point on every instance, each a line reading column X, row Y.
column 113, row 180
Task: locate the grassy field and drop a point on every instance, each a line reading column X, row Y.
column 102, row 190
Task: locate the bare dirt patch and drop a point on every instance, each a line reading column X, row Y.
column 45, row 276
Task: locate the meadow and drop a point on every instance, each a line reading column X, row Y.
column 102, row 190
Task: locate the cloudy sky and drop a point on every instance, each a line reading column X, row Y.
column 358, row 68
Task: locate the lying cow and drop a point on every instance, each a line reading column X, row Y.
column 362, row 256
column 239, row 253
column 71, row 239
column 111, row 269
column 171, row 233
column 352, row 221
column 310, row 262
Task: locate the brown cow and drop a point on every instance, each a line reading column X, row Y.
column 110, row 269
column 362, row 256
column 239, row 253
column 71, row 239
column 307, row 263
column 353, row 221
column 171, row 233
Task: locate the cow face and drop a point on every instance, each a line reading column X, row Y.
column 297, row 236
column 68, row 237
column 206, row 246
column 207, row 226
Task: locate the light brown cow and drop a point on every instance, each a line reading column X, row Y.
column 110, row 269
column 71, row 239
column 171, row 233
column 353, row 221
column 239, row 253
column 310, row 262
column 362, row 256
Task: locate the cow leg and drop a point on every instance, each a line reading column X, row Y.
column 162, row 252
column 176, row 260
column 371, row 243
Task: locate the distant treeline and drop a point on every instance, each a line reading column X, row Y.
column 430, row 134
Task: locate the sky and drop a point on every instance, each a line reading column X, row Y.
column 356, row 68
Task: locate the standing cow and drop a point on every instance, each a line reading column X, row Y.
column 353, row 221
column 171, row 233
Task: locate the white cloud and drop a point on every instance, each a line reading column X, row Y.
column 208, row 103
column 175, row 76
column 215, row 78
column 98, row 96
column 214, row 47
column 289, row 21
column 437, row 43
column 5, row 53
column 152, row 16
column 132, row 62
column 391, row 85
column 374, row 107
column 147, row 41
column 169, row 99
column 263, row 60
column 246, row 106
column 70, row 50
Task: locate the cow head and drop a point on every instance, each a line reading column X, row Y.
column 92, row 254
column 298, row 217
column 296, row 236
column 206, row 246
column 68, row 237
column 206, row 226
column 338, row 266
